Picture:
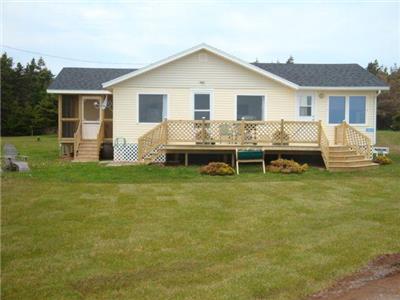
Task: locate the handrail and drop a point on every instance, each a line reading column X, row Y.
column 356, row 140
column 100, row 137
column 152, row 140
column 77, row 138
column 324, row 145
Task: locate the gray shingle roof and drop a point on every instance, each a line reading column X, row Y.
column 85, row 78
column 315, row 75
column 323, row 75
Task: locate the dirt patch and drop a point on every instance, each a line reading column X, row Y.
column 380, row 279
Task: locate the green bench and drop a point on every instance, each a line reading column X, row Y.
column 249, row 156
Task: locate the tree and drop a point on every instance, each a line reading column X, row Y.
column 388, row 101
column 25, row 105
column 290, row 60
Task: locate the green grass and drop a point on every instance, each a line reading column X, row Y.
column 73, row 231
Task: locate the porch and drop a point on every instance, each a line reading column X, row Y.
column 85, row 123
column 351, row 147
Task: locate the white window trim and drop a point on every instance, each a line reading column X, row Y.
column 151, row 93
column 204, row 92
column 264, row 105
column 99, row 98
column 347, row 110
column 308, row 118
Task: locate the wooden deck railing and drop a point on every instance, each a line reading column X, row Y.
column 347, row 135
column 242, row 132
column 152, row 141
column 205, row 132
column 77, row 138
column 324, row 145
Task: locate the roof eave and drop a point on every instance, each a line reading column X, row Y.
column 75, row 92
column 351, row 88
column 195, row 49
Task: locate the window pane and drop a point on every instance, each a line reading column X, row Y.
column 201, row 101
column 151, row 108
column 357, row 109
column 337, row 108
column 249, row 107
column 108, row 114
column 198, row 115
column 70, row 106
column 305, row 111
column 309, row 100
column 91, row 110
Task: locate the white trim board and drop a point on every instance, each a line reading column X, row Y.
column 83, row 92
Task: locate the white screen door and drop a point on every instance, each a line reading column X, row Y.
column 91, row 118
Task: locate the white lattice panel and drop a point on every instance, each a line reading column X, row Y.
column 125, row 152
column 129, row 152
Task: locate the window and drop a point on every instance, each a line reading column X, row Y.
column 357, row 109
column 202, row 104
column 337, row 109
column 305, row 105
column 108, row 110
column 152, row 108
column 70, row 106
column 91, row 110
column 250, row 107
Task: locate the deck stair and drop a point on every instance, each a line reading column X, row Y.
column 87, row 151
column 343, row 158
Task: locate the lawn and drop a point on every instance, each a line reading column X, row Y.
column 72, row 231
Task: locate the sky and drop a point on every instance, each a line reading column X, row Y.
column 128, row 33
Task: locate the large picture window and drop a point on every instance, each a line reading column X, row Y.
column 250, row 107
column 351, row 109
column 357, row 109
column 152, row 108
column 337, row 109
column 202, row 106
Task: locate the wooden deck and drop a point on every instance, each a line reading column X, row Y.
column 274, row 137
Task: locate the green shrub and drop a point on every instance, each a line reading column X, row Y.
column 217, row 168
column 382, row 160
column 286, row 166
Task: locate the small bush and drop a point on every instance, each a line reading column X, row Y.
column 382, row 160
column 217, row 168
column 286, row 166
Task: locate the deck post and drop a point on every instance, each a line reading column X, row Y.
column 59, row 117
column 282, row 128
column 186, row 159
column 319, row 132
column 344, row 132
column 203, row 130
column 242, row 125
column 165, row 131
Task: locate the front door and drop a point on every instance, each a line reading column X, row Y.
column 91, row 118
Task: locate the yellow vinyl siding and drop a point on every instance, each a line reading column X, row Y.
column 225, row 80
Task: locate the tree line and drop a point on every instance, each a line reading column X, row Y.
column 27, row 109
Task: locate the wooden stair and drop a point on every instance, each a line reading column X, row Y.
column 342, row 158
column 87, row 151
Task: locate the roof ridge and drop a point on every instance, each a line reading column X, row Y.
column 316, row 64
